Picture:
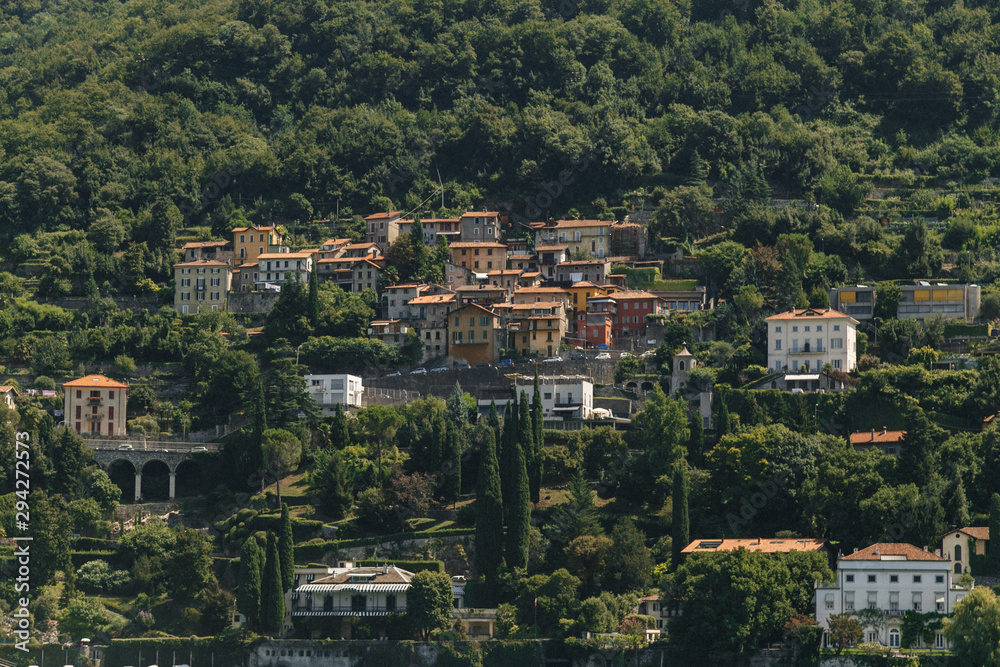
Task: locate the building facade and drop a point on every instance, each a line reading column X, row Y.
column 329, row 391
column 203, row 284
column 95, row 405
column 810, row 338
column 563, row 396
column 592, row 237
column 959, row 545
column 894, row 578
column 249, row 243
column 280, row 267
column 475, row 334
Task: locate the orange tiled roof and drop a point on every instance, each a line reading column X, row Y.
column 571, row 223
column 481, row 214
column 477, row 244
column 258, row 229
column 96, row 381
column 431, row 298
column 764, row 545
column 204, row 244
column 908, row 551
column 550, row 248
column 388, row 575
column 379, row 216
column 639, row 294
column 202, row 262
column 876, row 437
column 797, row 313
column 978, row 532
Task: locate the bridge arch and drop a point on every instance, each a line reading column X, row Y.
column 157, row 480
column 188, row 478
column 123, row 474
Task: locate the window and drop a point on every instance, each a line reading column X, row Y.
column 777, row 344
column 819, row 328
column 836, row 343
column 938, row 640
column 918, row 602
column 871, row 578
column 939, row 602
column 829, row 600
column 795, row 329
column 836, row 327
column 916, row 578
column 939, row 579
column 893, row 601
column 872, row 600
column 808, row 329
column 777, row 329
column 893, row 578
column 111, row 395
column 849, row 601
column 836, row 364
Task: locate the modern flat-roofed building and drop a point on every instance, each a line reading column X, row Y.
column 329, row 391
column 925, row 300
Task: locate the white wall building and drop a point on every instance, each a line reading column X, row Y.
column 808, row 339
column 280, row 267
column 563, row 396
column 892, row 577
column 330, row 390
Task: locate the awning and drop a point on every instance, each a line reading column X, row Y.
column 940, row 600
column 361, row 588
column 801, row 376
column 345, row 613
column 569, row 408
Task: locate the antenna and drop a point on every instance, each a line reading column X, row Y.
column 440, row 184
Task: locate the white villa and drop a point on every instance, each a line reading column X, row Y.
column 808, row 339
column 894, row 578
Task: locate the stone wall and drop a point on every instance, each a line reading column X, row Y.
column 252, row 302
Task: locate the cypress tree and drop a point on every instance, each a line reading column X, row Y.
column 248, row 589
column 286, row 549
column 453, row 467
column 681, row 520
column 313, row 299
column 438, row 440
column 993, row 549
column 538, row 433
column 508, row 456
column 494, row 422
column 519, row 502
column 723, row 421
column 340, row 435
column 696, row 441
column 272, row 602
column 489, row 509
column 526, row 437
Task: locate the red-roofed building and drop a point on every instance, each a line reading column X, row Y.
column 886, row 441
column 481, row 226
column 893, row 577
column 382, row 228
column 764, row 545
column 95, row 405
column 475, row 334
column 810, row 338
column 960, row 543
column 632, row 307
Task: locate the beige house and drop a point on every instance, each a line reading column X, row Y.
column 95, row 405
column 959, row 543
column 9, row 393
column 201, row 285
column 592, row 237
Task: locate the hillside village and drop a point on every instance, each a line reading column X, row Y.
column 488, row 334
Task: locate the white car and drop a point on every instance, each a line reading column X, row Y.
column 124, row 447
column 624, row 354
column 419, row 371
column 603, row 355
column 551, row 360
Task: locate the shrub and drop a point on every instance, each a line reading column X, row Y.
column 44, row 382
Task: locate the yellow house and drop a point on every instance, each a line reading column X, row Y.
column 251, row 242
column 538, row 328
column 475, row 334
column 592, row 237
column 578, row 294
column 203, row 284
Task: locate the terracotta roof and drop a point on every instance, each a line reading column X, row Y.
column 633, row 295
column 431, row 298
column 372, row 575
column 522, row 258
column 978, row 532
column 550, row 248
column 4, row 388
column 797, row 313
column 503, row 272
column 540, row 290
column 481, row 288
column 586, row 261
column 563, row 224
column 406, row 286
column 286, row 255
column 585, row 283
column 882, row 549
column 380, row 216
column 205, row 244
column 359, row 246
column 257, row 229
column 764, row 545
column 96, row 381
column 475, row 305
column 340, row 260
column 480, row 214
column 202, row 262
column 477, row 244
column 877, row 436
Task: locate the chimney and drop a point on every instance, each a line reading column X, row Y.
column 876, row 552
column 855, row 550
column 884, row 430
column 873, row 435
column 925, row 548
column 937, row 552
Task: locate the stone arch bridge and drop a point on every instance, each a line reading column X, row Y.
column 139, row 455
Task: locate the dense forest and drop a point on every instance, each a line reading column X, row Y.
column 113, row 112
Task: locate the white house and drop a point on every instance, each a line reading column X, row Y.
column 810, row 338
column 343, row 594
column 892, row 577
column 280, row 267
column 9, row 393
column 330, row 390
column 563, row 396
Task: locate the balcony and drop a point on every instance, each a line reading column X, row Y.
column 808, row 349
column 95, row 400
column 92, row 417
column 347, row 610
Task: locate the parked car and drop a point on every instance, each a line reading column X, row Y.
column 601, row 346
column 419, row 371
column 551, row 360
column 487, row 364
column 647, row 353
column 505, row 362
column 437, row 369
column 578, row 356
column 393, row 374
column 125, row 447
column 523, row 360
column 625, row 354
column 603, row 355
column 199, row 449
column 462, row 365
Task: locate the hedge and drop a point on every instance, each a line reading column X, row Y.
column 408, row 565
column 227, row 650
column 314, row 549
column 93, row 544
